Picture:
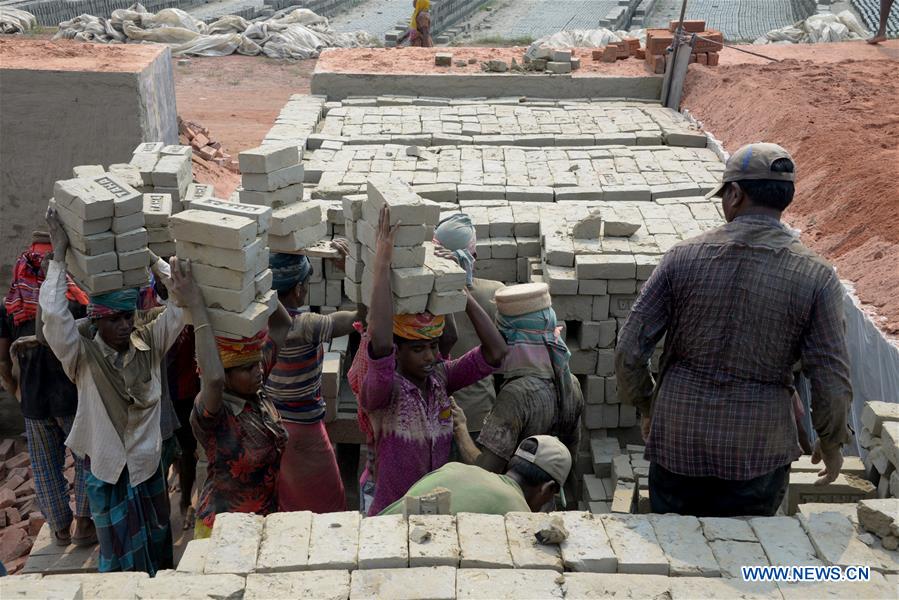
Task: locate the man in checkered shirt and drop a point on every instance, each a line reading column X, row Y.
column 738, row 306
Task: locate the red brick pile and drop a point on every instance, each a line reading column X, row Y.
column 20, row 517
column 658, row 40
column 199, row 138
column 618, row 51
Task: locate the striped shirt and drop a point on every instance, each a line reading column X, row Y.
column 294, row 380
column 738, row 305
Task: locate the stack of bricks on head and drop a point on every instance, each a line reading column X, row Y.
column 419, row 279
column 705, row 52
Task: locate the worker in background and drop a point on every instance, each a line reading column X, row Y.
column 455, row 240
column 47, row 398
column 881, row 35
column 419, row 31
column 538, row 394
column 309, row 478
column 117, row 371
column 405, row 388
column 535, row 474
column 738, row 306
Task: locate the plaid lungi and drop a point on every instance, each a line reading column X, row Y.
column 132, row 523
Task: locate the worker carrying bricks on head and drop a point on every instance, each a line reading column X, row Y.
column 47, row 397
column 738, row 305
column 535, row 473
column 117, row 370
column 455, row 239
column 309, row 478
column 235, row 422
column 538, row 394
column 404, row 391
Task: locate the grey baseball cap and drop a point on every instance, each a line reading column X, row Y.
column 551, row 455
column 753, row 161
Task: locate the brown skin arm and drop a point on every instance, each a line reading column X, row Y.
column 279, row 323
column 449, row 338
column 492, row 343
column 212, row 373
column 471, row 454
column 6, row 375
column 380, row 318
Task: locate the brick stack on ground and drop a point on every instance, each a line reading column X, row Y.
column 555, row 60
column 20, row 517
column 103, row 217
column 616, row 51
column 705, row 51
column 420, row 280
column 879, row 435
column 226, row 243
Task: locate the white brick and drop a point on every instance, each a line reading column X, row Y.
column 875, row 413
column 448, row 275
column 587, row 546
column 507, row 584
column 128, row 222
column 835, row 539
column 285, row 542
column 269, row 157
column 526, row 552
column 48, row 588
column 878, row 587
column 263, row 282
column 127, row 199
column 334, row 543
column 261, row 214
column 162, row 235
column 300, row 215
column 92, row 245
column 244, row 259
column 605, row 266
column 235, row 543
column 134, row 259
column 172, row 171
column 247, row 323
column 721, row 528
column 92, row 265
column 157, row 209
column 690, row 588
column 197, row 191
column 405, row 204
column 446, row 303
column 87, row 171
column 268, row 182
column 274, row 199
column 317, row 585
column 433, row 541
column 234, row 300
column 413, row 281
column 635, row 544
column 194, row 558
column 191, row 587
column 600, row 586
column 84, row 198
column 97, row 585
column 213, row 229
column 95, row 284
column 406, row 235
column 561, row 280
column 75, row 225
column 222, row 278
column 135, row 239
column 298, row 240
column 383, row 542
column 732, row 555
column 403, row 256
column 685, row 546
column 422, row 583
column 483, row 541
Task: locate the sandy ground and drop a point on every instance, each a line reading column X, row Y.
column 833, row 105
column 839, row 119
column 35, row 53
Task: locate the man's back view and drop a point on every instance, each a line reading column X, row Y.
column 739, row 306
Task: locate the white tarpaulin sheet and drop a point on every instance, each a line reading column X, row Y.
column 817, row 29
column 296, row 34
column 13, row 20
column 582, row 38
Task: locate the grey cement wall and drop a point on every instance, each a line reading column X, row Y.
column 337, row 86
column 52, row 121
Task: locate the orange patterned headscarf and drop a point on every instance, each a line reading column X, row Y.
column 240, row 352
column 420, row 326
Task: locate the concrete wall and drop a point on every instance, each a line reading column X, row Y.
column 55, row 118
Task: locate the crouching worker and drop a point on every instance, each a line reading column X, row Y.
column 536, row 473
column 117, row 371
column 405, row 390
column 237, row 426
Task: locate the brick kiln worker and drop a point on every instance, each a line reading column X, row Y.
column 738, row 305
column 538, row 394
column 117, row 373
column 419, row 32
column 405, row 389
column 309, row 478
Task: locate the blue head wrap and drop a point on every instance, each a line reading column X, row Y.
column 457, row 234
column 111, row 303
column 288, row 270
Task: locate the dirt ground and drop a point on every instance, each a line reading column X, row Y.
column 840, row 120
column 835, row 110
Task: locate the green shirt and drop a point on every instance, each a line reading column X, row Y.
column 473, row 490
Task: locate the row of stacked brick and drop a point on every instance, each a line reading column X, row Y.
column 705, row 50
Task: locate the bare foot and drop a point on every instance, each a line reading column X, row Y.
column 85, row 534
column 877, row 39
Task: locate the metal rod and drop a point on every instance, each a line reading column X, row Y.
column 732, row 47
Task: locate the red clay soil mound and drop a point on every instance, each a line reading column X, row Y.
column 841, row 123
